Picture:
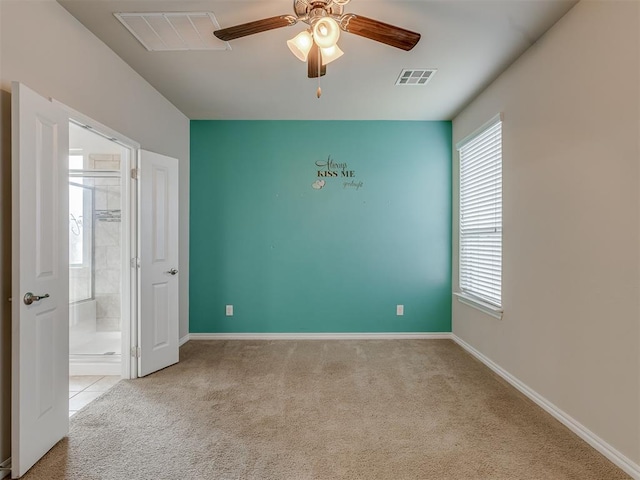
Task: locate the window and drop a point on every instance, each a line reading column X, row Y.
column 481, row 215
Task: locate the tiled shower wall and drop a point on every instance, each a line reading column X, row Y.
column 107, row 244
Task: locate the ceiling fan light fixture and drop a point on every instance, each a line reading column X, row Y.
column 300, row 45
column 326, row 32
column 318, row 45
column 330, row 54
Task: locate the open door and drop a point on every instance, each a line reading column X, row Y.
column 159, row 271
column 40, row 278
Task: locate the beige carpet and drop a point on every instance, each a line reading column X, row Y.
column 416, row 409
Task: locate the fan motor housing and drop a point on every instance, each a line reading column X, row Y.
column 304, row 8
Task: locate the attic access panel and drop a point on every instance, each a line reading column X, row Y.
column 171, row 31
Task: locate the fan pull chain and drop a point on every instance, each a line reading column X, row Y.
column 319, row 91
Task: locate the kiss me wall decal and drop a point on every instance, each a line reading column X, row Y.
column 329, row 169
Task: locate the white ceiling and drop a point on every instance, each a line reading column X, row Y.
column 469, row 42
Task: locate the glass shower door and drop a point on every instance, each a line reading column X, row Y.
column 94, row 264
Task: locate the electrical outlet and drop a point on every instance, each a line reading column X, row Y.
column 399, row 310
column 229, row 310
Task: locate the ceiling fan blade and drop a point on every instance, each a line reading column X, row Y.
column 379, row 31
column 252, row 28
column 315, row 68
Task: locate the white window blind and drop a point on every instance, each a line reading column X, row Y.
column 481, row 214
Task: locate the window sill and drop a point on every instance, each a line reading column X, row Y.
column 487, row 308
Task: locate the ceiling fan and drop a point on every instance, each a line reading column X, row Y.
column 318, row 44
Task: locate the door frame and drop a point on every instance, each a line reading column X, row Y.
column 129, row 368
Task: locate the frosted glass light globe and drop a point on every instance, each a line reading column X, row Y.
column 326, row 32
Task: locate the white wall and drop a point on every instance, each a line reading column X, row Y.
column 44, row 47
column 571, row 262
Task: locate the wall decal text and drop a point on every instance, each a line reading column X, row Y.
column 331, row 169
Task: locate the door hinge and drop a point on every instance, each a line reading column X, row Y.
column 135, row 262
column 136, row 352
column 135, row 173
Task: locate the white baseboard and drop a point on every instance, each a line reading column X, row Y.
column 5, row 468
column 576, row 427
column 184, row 340
column 320, row 336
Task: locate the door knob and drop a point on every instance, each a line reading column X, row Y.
column 173, row 271
column 29, row 298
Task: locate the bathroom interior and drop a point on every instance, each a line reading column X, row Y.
column 97, row 246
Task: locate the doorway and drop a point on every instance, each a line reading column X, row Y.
column 99, row 213
column 40, row 266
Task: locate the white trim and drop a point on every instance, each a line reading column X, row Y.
column 489, row 123
column 487, row 308
column 6, row 464
column 97, row 127
column 321, row 336
column 128, row 247
column 576, row 427
column 183, row 340
column 130, row 363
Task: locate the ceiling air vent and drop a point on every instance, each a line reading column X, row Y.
column 415, row 76
column 174, row 31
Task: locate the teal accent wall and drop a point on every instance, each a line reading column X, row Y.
column 293, row 258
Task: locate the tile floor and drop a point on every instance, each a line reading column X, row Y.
column 83, row 389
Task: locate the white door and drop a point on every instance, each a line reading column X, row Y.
column 40, row 277
column 159, row 271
